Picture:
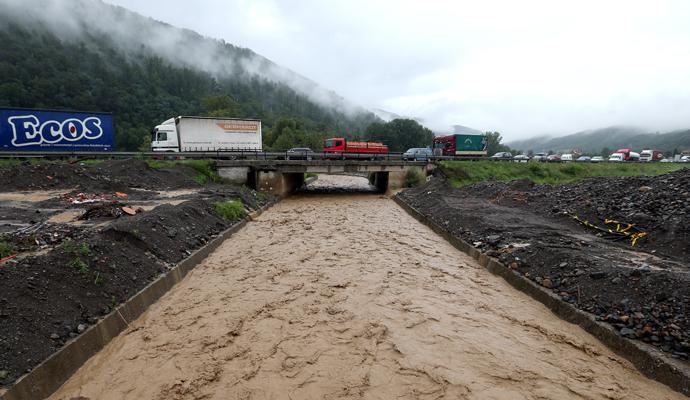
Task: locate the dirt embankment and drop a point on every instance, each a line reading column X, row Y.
column 642, row 291
column 380, row 308
column 70, row 271
column 110, row 175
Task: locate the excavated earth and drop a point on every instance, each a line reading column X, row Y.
column 347, row 296
column 75, row 262
column 643, row 290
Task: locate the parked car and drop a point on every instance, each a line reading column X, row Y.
column 566, row 157
column 539, row 157
column 553, row 158
column 418, row 154
column 584, row 159
column 521, row 158
column 617, row 157
column 299, row 153
column 502, row 155
column 597, row 159
column 684, row 159
column 666, row 160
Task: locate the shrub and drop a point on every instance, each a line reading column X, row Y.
column 6, row 249
column 232, row 210
column 413, row 177
column 79, row 265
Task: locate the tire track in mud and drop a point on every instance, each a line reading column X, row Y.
column 328, row 297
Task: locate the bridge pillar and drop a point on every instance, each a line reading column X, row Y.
column 390, row 181
column 278, row 183
column 236, row 175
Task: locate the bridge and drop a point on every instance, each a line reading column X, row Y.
column 284, row 176
column 274, row 172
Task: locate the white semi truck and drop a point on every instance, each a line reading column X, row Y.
column 206, row 134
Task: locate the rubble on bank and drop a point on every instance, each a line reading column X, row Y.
column 641, row 288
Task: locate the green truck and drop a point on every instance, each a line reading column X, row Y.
column 460, row 145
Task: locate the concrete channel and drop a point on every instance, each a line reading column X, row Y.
column 348, row 296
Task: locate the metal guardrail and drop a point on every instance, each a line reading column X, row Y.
column 248, row 155
column 224, row 155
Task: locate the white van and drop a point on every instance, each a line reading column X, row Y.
column 566, row 157
column 617, row 157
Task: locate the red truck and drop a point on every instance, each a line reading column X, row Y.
column 344, row 146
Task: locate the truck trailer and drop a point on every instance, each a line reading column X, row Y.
column 460, row 145
column 24, row 129
column 343, row 146
column 206, row 134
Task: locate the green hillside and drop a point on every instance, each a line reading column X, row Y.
column 143, row 80
column 612, row 138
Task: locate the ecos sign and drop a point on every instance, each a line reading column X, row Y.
column 41, row 130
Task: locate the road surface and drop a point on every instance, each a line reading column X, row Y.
column 347, row 297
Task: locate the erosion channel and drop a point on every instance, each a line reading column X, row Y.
column 346, row 296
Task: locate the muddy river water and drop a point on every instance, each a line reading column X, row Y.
column 346, row 296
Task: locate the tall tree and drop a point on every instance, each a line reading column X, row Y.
column 494, row 143
column 400, row 134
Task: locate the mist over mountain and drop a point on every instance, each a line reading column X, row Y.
column 89, row 55
column 615, row 137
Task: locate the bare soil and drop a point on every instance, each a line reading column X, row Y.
column 110, row 175
column 643, row 290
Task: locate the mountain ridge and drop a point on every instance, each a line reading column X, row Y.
column 613, row 137
column 87, row 54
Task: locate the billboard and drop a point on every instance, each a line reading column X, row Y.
column 51, row 130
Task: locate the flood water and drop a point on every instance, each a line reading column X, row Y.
column 346, row 296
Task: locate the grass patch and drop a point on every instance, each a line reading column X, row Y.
column 6, row 249
column 461, row 173
column 308, row 175
column 206, row 169
column 75, row 249
column 13, row 162
column 232, row 210
column 9, row 162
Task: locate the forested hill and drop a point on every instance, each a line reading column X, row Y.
column 610, row 138
column 88, row 55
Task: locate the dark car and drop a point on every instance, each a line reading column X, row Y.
column 502, row 155
column 299, row 153
column 553, row 158
column 584, row 159
column 418, row 154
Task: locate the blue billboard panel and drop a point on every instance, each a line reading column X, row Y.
column 45, row 130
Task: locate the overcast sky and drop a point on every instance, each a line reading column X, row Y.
column 523, row 68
